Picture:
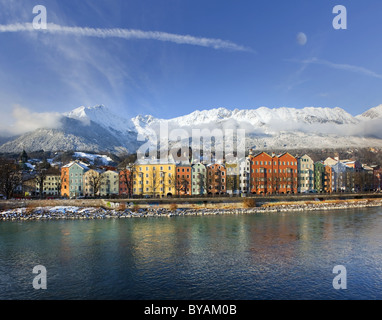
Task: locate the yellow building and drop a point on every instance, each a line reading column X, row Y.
column 153, row 178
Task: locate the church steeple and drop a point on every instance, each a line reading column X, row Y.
column 23, row 157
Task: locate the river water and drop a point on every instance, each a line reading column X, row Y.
column 245, row 257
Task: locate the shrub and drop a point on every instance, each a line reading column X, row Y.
column 173, row 206
column 249, row 203
column 122, row 206
column 31, row 206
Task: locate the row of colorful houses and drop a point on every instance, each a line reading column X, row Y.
column 260, row 173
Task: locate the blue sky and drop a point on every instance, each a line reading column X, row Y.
column 260, row 62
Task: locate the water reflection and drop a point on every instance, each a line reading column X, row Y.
column 263, row 256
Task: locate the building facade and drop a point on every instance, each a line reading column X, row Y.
column 273, row 174
column 72, row 179
column 154, row 178
column 245, row 175
column 199, row 179
column 109, row 183
column 183, row 180
column 126, row 182
column 305, row 174
column 233, row 178
column 216, row 179
column 92, row 182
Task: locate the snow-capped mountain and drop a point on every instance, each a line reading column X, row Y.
column 373, row 113
column 264, row 120
column 98, row 129
column 102, row 116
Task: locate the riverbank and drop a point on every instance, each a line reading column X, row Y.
column 79, row 212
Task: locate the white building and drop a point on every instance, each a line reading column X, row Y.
column 305, row 174
column 245, row 174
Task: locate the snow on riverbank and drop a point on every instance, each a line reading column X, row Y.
column 74, row 212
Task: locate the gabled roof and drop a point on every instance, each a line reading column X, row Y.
column 259, row 153
column 285, row 153
column 79, row 163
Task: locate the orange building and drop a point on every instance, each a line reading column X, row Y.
column 216, row 179
column 65, row 181
column 328, row 179
column 287, row 166
column 262, row 173
column 183, row 180
column 273, row 174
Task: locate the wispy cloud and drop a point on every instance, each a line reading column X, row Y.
column 339, row 66
column 127, row 34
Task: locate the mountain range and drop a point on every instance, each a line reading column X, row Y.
column 97, row 129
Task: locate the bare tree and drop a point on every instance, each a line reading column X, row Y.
column 95, row 180
column 41, row 175
column 126, row 177
column 10, row 177
column 155, row 182
column 203, row 183
column 40, row 179
column 178, row 184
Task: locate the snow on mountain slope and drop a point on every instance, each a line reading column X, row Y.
column 98, row 129
column 104, row 159
column 256, row 121
column 373, row 113
column 102, row 116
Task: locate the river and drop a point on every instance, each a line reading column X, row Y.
column 223, row 257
